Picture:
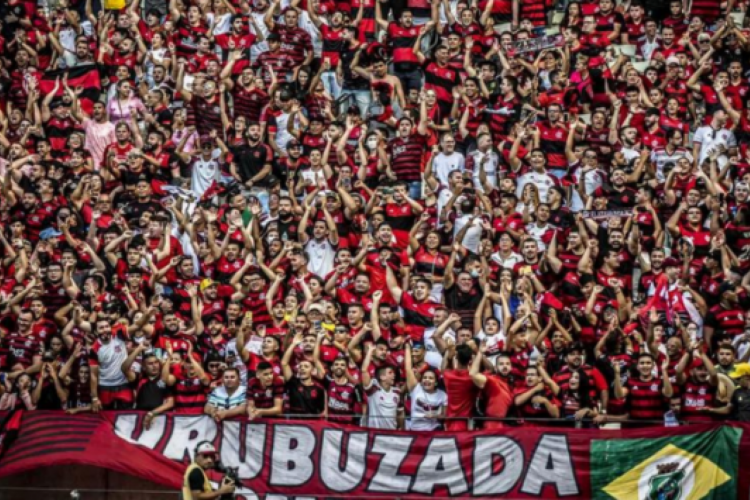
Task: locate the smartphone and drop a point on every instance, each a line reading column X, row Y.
column 317, row 325
column 249, row 315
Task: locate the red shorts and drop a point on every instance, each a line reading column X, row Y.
column 119, row 393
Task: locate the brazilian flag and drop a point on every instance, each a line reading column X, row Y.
column 681, row 467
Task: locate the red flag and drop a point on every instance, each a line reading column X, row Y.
column 84, row 78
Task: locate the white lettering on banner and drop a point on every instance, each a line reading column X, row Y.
column 441, row 465
column 486, row 449
column 394, row 450
column 291, row 460
column 551, row 464
column 255, row 444
column 187, row 432
column 282, row 457
column 355, row 461
column 126, row 429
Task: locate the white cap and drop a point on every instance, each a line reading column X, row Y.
column 205, row 449
column 673, row 60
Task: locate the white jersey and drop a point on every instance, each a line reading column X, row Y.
column 473, row 236
column 714, row 140
column 490, row 168
column 432, row 355
column 542, row 181
column 257, row 49
column 444, row 164
column 321, row 257
column 109, row 357
column 382, row 406
column 594, row 180
column 205, row 172
column 660, row 157
column 422, row 403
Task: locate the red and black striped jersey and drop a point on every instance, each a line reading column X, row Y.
column 645, row 399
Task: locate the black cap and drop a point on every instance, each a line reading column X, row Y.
column 273, row 37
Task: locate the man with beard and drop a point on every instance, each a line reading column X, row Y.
column 171, row 332
column 158, row 158
column 108, row 382
column 33, row 213
column 496, row 388
column 653, row 136
column 618, row 195
column 651, row 273
column 238, row 39
column 151, row 394
column 248, row 99
column 343, row 395
column 252, row 161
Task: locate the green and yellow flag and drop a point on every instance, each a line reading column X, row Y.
column 688, row 467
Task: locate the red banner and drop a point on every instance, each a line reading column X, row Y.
column 317, row 459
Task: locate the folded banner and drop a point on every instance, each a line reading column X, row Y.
column 278, row 459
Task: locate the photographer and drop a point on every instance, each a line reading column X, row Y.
column 195, row 483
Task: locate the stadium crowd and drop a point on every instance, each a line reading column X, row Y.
column 416, row 214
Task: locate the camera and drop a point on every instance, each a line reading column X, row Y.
column 231, row 473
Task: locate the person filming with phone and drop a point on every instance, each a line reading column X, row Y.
column 195, row 483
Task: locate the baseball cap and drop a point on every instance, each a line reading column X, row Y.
column 672, row 60
column 207, row 283
column 273, row 37
column 317, row 308
column 205, row 449
column 741, row 370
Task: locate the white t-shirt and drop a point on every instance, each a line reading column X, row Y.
column 543, row 182
column 423, row 402
column 382, row 406
column 444, row 164
column 490, row 168
column 473, row 236
column 432, row 355
column 321, row 257
column 593, row 181
column 711, row 139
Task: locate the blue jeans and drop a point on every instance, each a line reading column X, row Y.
column 331, row 84
column 363, row 98
column 415, row 190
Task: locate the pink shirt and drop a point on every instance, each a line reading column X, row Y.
column 120, row 110
column 98, row 137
